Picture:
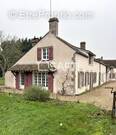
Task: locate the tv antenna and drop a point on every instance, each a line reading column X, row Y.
column 50, row 8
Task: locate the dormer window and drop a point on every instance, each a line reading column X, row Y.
column 45, row 55
column 91, row 59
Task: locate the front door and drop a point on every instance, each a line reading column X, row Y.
column 21, row 80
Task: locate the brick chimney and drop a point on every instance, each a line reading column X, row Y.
column 53, row 25
column 83, row 45
column 35, row 40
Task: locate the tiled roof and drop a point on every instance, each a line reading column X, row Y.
column 33, row 67
column 101, row 61
column 80, row 51
column 24, row 67
column 110, row 62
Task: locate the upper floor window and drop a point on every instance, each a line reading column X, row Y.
column 45, row 55
column 91, row 59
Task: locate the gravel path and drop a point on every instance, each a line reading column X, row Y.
column 101, row 96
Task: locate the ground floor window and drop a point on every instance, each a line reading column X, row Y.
column 94, row 77
column 41, row 79
column 86, row 78
column 81, row 79
column 22, row 79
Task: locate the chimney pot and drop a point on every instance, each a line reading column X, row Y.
column 101, row 57
column 83, row 45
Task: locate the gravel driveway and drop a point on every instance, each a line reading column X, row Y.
column 100, row 96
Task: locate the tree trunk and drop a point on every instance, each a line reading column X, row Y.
column 3, row 71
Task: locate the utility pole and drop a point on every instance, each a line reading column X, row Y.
column 114, row 104
column 114, row 101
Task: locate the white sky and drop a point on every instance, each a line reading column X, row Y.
column 99, row 32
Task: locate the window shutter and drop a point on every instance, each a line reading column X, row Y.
column 28, row 79
column 50, row 81
column 51, row 53
column 17, row 80
column 78, row 79
column 88, row 78
column 38, row 54
column 85, row 78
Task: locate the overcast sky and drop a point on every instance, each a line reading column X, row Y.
column 98, row 29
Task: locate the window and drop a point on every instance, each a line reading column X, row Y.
column 94, row 77
column 91, row 59
column 41, row 79
column 81, row 79
column 22, row 79
column 45, row 54
column 35, row 79
column 86, row 78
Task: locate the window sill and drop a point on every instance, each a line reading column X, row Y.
column 45, row 60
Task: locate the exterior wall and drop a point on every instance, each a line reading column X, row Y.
column 62, row 54
column 9, row 80
column 82, row 64
column 103, row 74
column 111, row 75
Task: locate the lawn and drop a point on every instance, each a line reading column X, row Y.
column 21, row 117
column 1, row 80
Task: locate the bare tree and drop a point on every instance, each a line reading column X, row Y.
column 66, row 82
column 2, row 58
column 2, row 64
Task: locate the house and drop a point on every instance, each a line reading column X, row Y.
column 57, row 65
column 111, row 69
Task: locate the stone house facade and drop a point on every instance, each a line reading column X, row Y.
column 58, row 66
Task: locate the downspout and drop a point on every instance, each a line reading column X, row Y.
column 75, row 73
column 107, row 73
column 100, row 73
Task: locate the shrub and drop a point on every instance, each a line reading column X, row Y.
column 35, row 93
column 2, row 80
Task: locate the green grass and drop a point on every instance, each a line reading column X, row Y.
column 20, row 117
column 1, row 81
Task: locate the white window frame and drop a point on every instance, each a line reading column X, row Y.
column 20, row 81
column 39, row 81
column 46, row 54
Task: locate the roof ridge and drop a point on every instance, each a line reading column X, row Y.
column 77, row 49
